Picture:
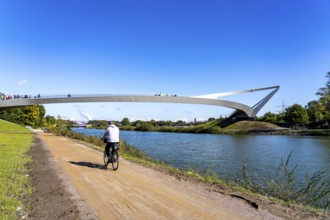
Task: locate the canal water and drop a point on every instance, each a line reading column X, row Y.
column 224, row 154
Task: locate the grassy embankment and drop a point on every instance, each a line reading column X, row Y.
column 242, row 127
column 212, row 127
column 315, row 192
column 15, row 143
column 257, row 127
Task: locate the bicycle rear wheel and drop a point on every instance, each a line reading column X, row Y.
column 115, row 160
column 105, row 159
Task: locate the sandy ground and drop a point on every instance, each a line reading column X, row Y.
column 73, row 184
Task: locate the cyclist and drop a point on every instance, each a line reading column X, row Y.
column 111, row 135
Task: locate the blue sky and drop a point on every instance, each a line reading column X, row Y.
column 177, row 47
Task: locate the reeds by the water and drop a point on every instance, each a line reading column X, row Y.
column 314, row 191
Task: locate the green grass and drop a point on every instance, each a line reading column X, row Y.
column 252, row 125
column 8, row 127
column 15, row 184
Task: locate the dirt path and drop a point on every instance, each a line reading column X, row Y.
column 134, row 191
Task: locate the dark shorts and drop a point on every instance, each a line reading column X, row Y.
column 110, row 145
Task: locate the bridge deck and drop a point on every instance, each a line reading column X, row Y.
column 202, row 100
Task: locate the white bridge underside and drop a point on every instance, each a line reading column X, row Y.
column 211, row 99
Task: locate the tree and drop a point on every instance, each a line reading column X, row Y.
column 42, row 113
column 125, row 122
column 99, row 124
column 59, row 121
column 324, row 99
column 50, row 120
column 33, row 115
column 315, row 111
column 153, row 122
column 137, row 122
column 296, row 115
column 325, row 91
column 270, row 117
column 145, row 126
column 317, row 114
column 180, row 123
column 12, row 114
column 162, row 123
column 27, row 115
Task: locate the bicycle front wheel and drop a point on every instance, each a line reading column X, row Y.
column 115, row 160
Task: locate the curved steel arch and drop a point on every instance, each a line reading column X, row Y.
column 203, row 100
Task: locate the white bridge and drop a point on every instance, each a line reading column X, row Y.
column 241, row 110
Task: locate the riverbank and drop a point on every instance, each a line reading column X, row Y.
column 264, row 128
column 242, row 127
column 291, row 132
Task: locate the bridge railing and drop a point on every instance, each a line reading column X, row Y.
column 69, row 95
column 88, row 95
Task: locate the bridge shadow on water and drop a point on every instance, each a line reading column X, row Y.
column 89, row 164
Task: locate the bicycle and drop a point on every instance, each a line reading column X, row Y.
column 113, row 159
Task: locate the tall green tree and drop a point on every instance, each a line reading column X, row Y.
column 324, row 94
column 125, row 122
column 33, row 115
column 296, row 115
column 325, row 102
column 315, row 111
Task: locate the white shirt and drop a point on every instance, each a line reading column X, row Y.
column 112, row 134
